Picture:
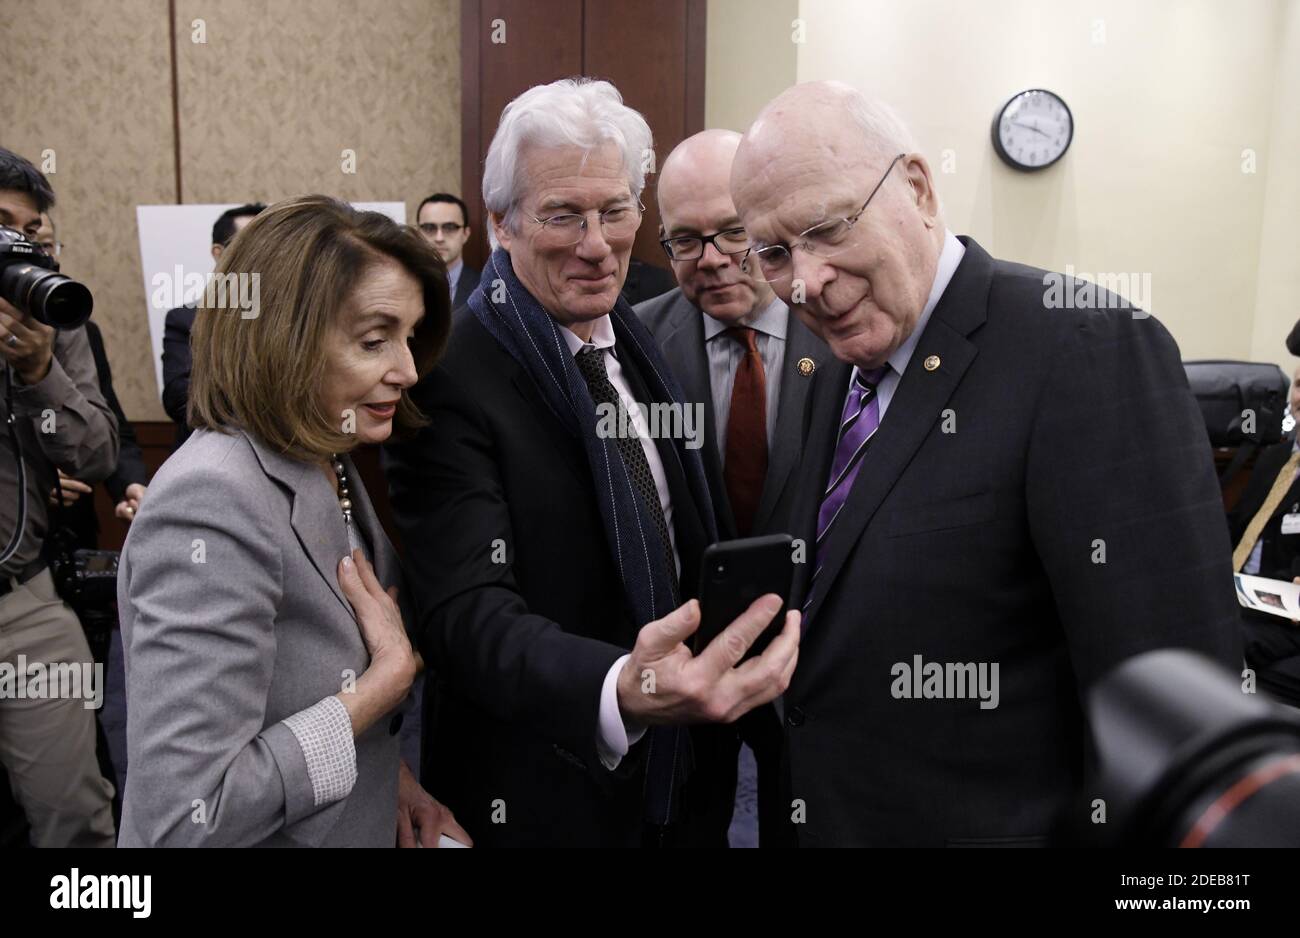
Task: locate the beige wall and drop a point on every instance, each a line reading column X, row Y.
column 1278, row 291
column 1166, row 94
column 267, row 105
column 93, row 83
column 749, row 58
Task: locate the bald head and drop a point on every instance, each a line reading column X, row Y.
column 843, row 215
column 695, row 202
column 697, row 164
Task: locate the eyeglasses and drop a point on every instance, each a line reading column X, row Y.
column 774, row 262
column 570, row 228
column 448, row 228
column 691, row 247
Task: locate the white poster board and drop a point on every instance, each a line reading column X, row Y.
column 176, row 249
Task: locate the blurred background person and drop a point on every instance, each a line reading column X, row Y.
column 443, row 220
column 1265, row 529
column 179, row 321
column 284, row 681
column 129, row 480
column 75, row 522
column 47, row 744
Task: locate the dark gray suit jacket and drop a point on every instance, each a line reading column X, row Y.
column 678, row 326
column 1040, row 498
column 232, row 623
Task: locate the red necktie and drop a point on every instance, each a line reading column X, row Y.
column 745, row 462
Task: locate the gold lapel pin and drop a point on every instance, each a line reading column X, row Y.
column 931, row 362
column 806, row 366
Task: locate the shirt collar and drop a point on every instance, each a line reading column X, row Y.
column 602, row 336
column 951, row 255
column 453, row 272
column 773, row 319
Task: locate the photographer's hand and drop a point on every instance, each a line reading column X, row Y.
column 127, row 507
column 26, row 344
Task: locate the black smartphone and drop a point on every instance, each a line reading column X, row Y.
column 735, row 573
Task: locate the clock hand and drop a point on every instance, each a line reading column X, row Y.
column 1030, row 127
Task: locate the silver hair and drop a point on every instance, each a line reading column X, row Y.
column 580, row 112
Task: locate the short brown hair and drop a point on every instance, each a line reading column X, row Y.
column 264, row 374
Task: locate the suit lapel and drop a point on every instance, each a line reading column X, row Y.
column 684, row 348
column 387, row 569
column 820, row 429
column 315, row 516
column 469, row 278
column 915, row 407
column 788, row 437
column 688, row 529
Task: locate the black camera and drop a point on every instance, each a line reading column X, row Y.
column 30, row 280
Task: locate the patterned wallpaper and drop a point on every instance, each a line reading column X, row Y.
column 92, row 83
column 268, row 103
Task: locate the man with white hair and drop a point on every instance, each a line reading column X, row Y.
column 553, row 551
column 1003, row 499
column 748, row 364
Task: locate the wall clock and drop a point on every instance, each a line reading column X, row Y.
column 1033, row 130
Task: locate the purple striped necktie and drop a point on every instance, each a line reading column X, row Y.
column 858, row 421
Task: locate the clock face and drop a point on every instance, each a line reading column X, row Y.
column 1033, row 130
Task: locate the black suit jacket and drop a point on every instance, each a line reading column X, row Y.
column 521, row 611
column 176, row 364
column 1280, row 554
column 1072, row 432
column 469, row 278
column 80, row 515
column 678, row 326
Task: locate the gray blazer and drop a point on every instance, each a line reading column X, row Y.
column 678, row 326
column 236, row 636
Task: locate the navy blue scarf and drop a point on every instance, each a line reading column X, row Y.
column 532, row 337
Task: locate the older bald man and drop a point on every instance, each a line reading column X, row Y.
column 1006, row 498
column 739, row 354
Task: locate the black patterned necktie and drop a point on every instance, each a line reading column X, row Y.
column 591, row 363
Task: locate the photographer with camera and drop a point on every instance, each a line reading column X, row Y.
column 55, row 418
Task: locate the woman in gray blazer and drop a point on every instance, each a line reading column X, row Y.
column 261, row 617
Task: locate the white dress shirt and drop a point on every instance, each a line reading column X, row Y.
column 614, row 738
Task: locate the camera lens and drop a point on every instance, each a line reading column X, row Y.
column 49, row 297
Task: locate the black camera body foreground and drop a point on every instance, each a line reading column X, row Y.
column 30, row 280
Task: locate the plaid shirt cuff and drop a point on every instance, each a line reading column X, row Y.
column 324, row 731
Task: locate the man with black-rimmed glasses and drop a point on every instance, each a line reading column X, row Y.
column 739, row 353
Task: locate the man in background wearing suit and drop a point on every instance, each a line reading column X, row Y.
column 179, row 322
column 736, row 350
column 1002, row 498
column 1265, row 527
column 443, row 219
column 545, row 544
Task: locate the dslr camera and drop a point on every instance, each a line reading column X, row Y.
column 30, row 280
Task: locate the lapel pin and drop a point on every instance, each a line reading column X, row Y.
column 806, row 366
column 931, row 362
